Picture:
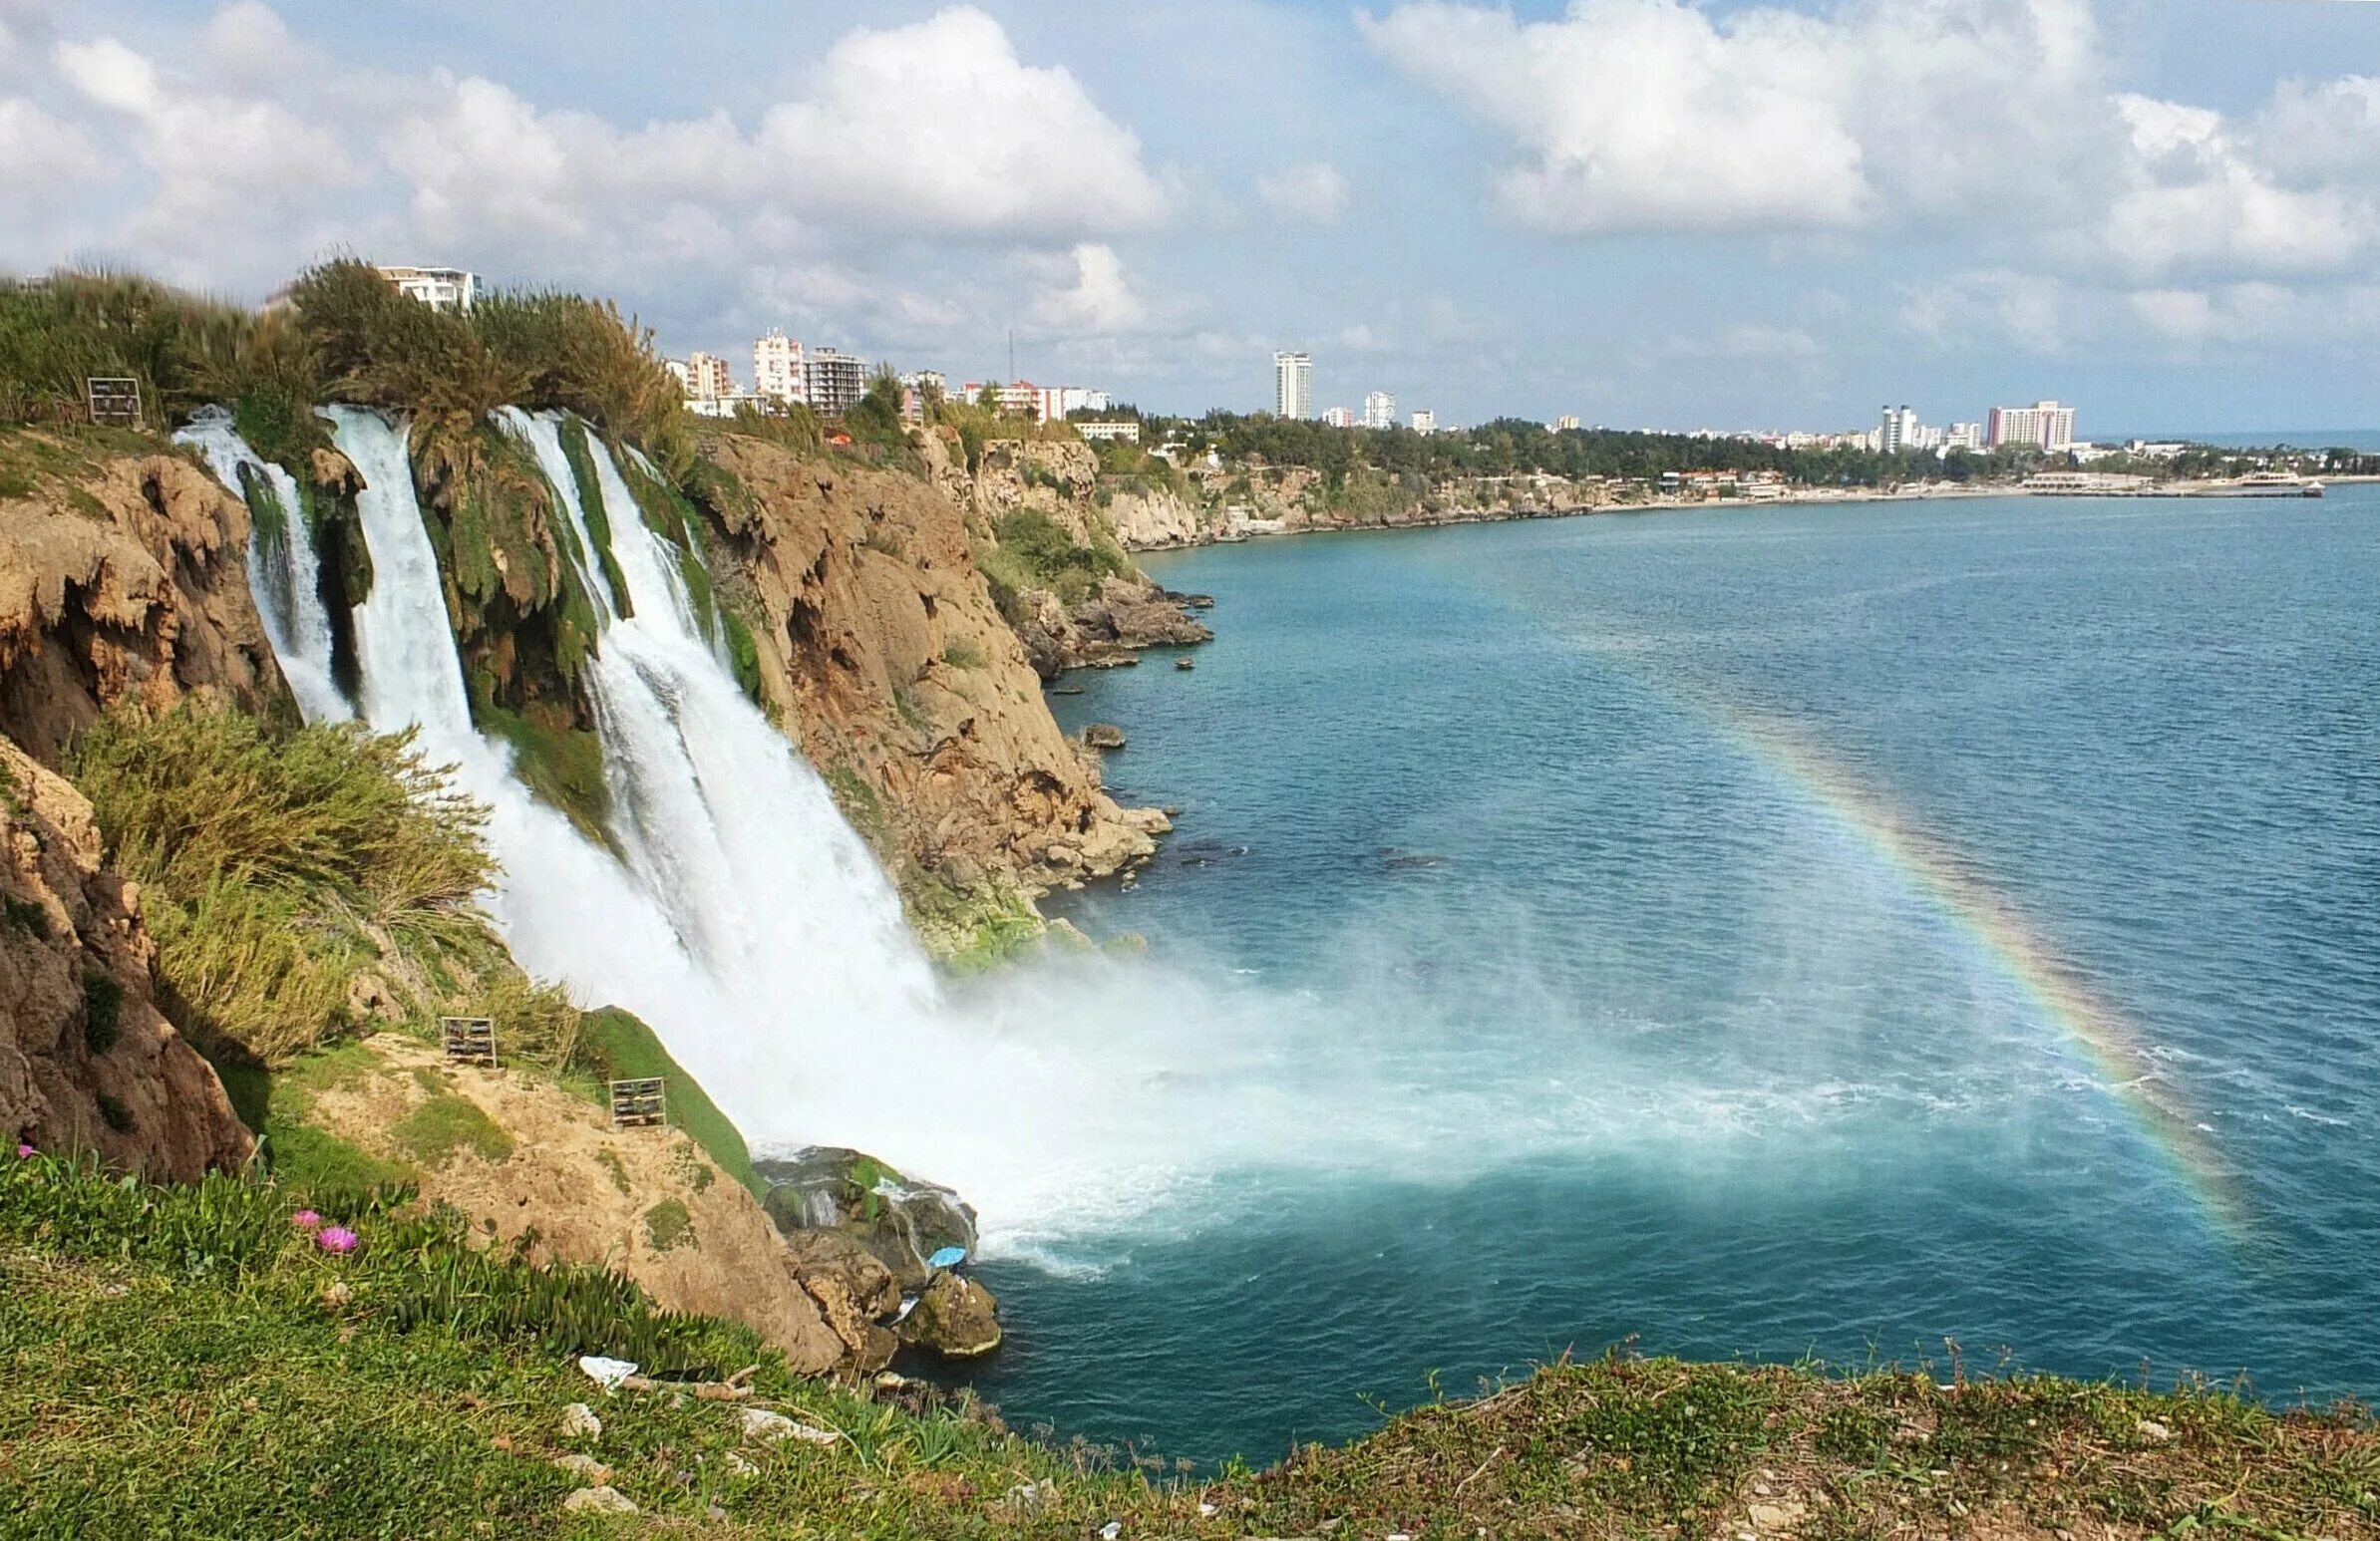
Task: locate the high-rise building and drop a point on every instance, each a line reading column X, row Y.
column 1900, row 431
column 1565, row 424
column 439, row 289
column 776, row 369
column 1292, row 384
column 2042, row 426
column 1424, row 421
column 1338, row 417
column 1963, row 435
column 1380, row 410
column 708, row 378
column 833, row 381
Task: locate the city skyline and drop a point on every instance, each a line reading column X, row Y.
column 2174, row 224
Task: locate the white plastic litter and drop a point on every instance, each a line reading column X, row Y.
column 605, row 1372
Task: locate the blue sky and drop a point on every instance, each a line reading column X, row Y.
column 1642, row 211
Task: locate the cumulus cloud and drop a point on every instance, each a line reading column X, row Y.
column 939, row 127
column 41, row 153
column 1315, row 193
column 2031, row 310
column 1087, row 290
column 1993, row 119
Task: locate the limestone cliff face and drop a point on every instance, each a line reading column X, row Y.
column 1158, row 518
column 124, row 582
column 882, row 653
column 86, row 1061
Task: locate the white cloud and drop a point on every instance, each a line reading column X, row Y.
column 1314, row 192
column 1989, row 118
column 40, row 153
column 1990, row 304
column 1088, row 291
column 247, row 42
column 939, row 128
column 213, row 153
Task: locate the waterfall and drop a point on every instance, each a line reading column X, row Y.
column 283, row 573
column 751, row 927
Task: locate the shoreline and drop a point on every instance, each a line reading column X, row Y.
column 1923, row 492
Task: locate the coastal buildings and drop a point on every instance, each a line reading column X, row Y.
column 1565, row 424
column 833, row 381
column 1337, row 417
column 439, row 289
column 917, row 389
column 708, row 378
column 1292, row 384
column 1898, row 431
column 1424, row 421
column 1124, row 431
column 2042, row 426
column 1963, row 435
column 1380, row 410
column 1042, row 404
column 776, row 369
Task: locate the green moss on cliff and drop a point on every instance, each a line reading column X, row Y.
column 560, row 763
column 618, row 1046
column 591, row 507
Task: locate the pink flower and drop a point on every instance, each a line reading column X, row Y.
column 306, row 1220
column 23, row 1150
column 335, row 1238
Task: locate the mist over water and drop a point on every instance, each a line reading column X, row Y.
column 1496, row 1003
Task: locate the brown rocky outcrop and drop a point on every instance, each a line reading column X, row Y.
column 125, row 583
column 881, row 651
column 86, row 1061
column 646, row 1202
column 954, row 1317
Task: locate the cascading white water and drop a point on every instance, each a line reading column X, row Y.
column 284, row 576
column 751, row 927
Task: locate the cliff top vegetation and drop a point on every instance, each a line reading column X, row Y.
column 188, row 1361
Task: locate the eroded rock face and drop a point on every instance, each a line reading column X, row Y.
column 87, row 1062
column 883, row 654
column 133, row 589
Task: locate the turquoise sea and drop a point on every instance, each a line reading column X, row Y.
column 1898, row 931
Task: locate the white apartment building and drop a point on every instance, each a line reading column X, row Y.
column 915, row 386
column 1126, row 432
column 1900, row 431
column 1338, row 417
column 1292, row 384
column 776, row 369
column 1423, row 420
column 2043, row 426
column 708, row 378
column 1963, row 435
column 439, row 289
column 1380, row 410
column 1043, row 404
column 1565, row 424
column 833, row 381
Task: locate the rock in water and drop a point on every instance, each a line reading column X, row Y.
column 1103, row 735
column 901, row 1220
column 1184, row 664
column 955, row 1317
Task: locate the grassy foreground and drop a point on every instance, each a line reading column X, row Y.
column 188, row 1362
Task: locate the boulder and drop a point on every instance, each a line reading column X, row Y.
column 954, row 1317
column 901, row 1220
column 1103, row 735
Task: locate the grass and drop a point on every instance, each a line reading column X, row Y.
column 183, row 1363
column 668, row 1226
column 446, row 1125
column 103, row 1010
column 621, row 1047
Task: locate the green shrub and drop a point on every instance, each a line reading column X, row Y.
column 279, row 863
column 103, row 1010
column 114, row 1114
column 1036, row 551
column 964, row 655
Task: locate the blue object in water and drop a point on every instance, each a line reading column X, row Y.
column 947, row 1257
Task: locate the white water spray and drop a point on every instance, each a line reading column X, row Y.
column 282, row 571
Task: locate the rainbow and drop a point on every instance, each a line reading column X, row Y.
column 2111, row 1044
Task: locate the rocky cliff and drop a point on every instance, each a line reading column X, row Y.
column 881, row 651
column 86, row 1063
column 121, row 578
